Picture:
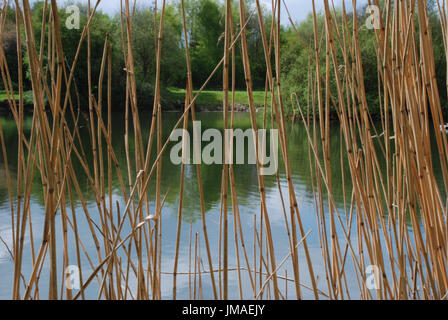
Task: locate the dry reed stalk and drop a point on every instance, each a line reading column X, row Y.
column 225, row 169
column 254, row 127
column 181, row 194
column 236, row 215
column 195, row 264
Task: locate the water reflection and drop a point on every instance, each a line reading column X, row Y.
column 246, row 181
column 245, row 175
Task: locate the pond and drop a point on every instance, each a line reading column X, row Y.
column 246, row 181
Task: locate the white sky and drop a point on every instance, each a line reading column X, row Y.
column 299, row 9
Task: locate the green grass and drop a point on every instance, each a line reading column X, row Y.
column 215, row 97
column 177, row 96
column 28, row 97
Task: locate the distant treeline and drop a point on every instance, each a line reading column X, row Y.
column 295, row 61
column 205, row 23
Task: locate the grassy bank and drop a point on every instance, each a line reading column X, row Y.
column 28, row 97
column 3, row 97
column 176, row 96
column 215, row 97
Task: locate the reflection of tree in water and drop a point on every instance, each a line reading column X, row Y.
column 300, row 161
column 246, row 179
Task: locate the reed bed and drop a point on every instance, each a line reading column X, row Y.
column 373, row 226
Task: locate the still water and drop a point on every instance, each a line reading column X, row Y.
column 248, row 199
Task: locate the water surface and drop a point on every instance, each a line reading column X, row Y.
column 248, row 199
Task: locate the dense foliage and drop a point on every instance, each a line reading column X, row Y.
column 295, row 60
column 205, row 25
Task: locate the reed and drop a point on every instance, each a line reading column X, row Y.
column 394, row 218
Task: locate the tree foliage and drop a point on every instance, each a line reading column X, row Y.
column 205, row 25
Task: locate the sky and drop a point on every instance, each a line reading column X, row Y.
column 299, row 9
